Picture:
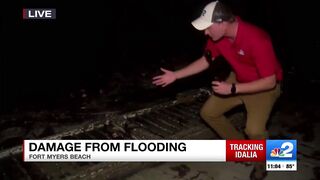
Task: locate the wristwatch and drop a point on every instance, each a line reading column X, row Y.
column 233, row 89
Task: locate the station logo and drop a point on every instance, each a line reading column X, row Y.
column 281, row 155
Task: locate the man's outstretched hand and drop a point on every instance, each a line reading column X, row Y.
column 165, row 79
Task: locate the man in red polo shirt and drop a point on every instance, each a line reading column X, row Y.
column 254, row 81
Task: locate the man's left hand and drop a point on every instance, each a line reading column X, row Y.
column 222, row 88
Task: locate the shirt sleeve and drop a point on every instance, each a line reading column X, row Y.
column 212, row 48
column 264, row 57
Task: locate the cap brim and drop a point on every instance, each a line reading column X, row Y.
column 201, row 24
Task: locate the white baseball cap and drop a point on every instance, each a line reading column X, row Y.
column 206, row 18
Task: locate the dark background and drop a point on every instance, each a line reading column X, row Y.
column 90, row 40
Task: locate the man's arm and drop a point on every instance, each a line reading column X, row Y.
column 260, row 85
column 197, row 66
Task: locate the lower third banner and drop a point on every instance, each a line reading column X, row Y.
column 278, row 154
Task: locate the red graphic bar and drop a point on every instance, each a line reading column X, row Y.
column 246, row 150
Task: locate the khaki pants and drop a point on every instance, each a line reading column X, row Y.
column 258, row 106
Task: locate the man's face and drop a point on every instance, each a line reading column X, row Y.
column 215, row 31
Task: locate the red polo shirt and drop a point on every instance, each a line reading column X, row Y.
column 251, row 55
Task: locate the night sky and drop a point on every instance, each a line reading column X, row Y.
column 89, row 40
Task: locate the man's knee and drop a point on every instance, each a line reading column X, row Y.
column 204, row 113
column 208, row 113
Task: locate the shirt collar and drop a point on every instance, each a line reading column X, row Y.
column 239, row 31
